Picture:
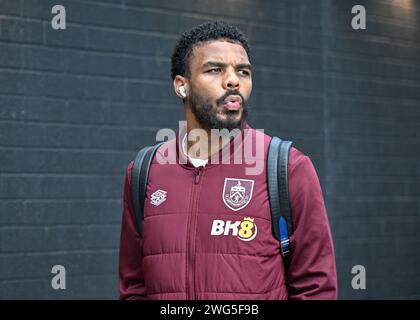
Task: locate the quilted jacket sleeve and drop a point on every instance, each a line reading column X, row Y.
column 131, row 281
column 312, row 271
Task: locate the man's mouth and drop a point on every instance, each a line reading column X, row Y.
column 233, row 102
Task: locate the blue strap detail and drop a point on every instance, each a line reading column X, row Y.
column 284, row 237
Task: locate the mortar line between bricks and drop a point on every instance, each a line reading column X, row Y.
column 392, row 3
column 81, row 225
column 379, row 19
column 378, row 119
column 123, row 79
column 53, row 174
column 364, row 162
column 113, row 54
column 170, row 11
column 194, row 14
column 339, row 75
column 59, row 252
column 108, row 54
column 275, row 48
column 377, row 39
column 373, row 136
column 374, row 199
column 69, row 100
column 376, row 140
column 102, row 125
column 298, row 93
column 332, row 75
column 313, row 52
column 27, row 201
column 337, row 53
column 133, row 151
column 49, row 228
column 409, row 139
column 68, row 276
column 69, row 199
column 378, row 99
column 174, row 36
column 395, row 80
column 367, row 160
column 87, row 26
column 362, row 240
column 352, row 117
column 301, row 134
column 269, row 111
column 301, row 92
column 264, row 22
column 396, row 177
column 69, row 149
column 263, row 67
column 22, row 199
column 356, row 57
column 50, row 174
column 50, row 123
column 95, row 100
column 261, row 23
column 343, row 96
column 97, row 125
column 347, row 75
column 383, row 116
column 373, row 218
column 173, row 13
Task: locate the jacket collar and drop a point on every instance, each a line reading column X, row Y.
column 229, row 149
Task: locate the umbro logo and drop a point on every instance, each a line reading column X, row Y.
column 158, row 197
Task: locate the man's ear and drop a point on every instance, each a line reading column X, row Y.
column 181, row 86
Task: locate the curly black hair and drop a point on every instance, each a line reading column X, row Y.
column 205, row 32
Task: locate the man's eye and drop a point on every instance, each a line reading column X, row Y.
column 215, row 70
column 244, row 72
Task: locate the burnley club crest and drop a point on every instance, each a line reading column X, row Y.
column 237, row 193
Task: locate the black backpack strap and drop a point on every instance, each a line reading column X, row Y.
column 278, row 191
column 139, row 178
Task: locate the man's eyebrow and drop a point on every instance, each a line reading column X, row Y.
column 214, row 64
column 223, row 65
column 244, row 66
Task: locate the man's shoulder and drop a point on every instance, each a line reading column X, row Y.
column 300, row 165
column 296, row 157
column 257, row 135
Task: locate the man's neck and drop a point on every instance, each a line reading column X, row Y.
column 213, row 145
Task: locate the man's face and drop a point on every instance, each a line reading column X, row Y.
column 220, row 84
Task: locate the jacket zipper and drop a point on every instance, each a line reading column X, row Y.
column 191, row 236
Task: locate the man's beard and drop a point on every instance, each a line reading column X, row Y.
column 206, row 115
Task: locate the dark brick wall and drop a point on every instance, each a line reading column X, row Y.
column 76, row 105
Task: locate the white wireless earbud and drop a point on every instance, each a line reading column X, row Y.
column 182, row 91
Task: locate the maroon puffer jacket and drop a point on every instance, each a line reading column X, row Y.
column 208, row 233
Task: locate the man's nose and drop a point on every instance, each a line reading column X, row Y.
column 231, row 80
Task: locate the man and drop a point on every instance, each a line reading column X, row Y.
column 207, row 223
